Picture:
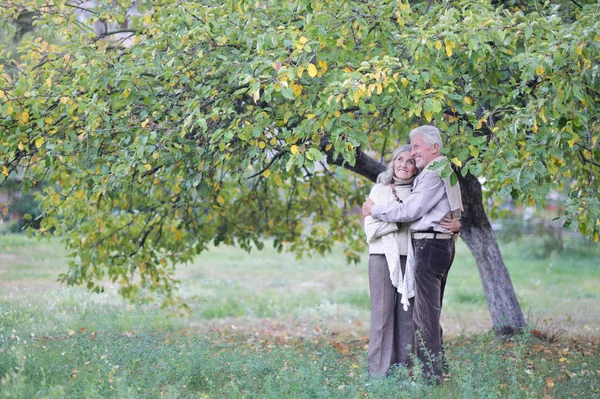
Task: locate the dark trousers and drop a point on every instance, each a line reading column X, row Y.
column 391, row 332
column 433, row 258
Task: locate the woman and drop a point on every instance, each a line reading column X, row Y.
column 391, row 282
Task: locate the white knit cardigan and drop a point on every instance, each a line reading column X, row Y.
column 395, row 241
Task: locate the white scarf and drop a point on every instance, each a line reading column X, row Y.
column 405, row 284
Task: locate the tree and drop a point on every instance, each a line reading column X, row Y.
column 214, row 122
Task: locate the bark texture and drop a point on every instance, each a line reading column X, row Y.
column 477, row 232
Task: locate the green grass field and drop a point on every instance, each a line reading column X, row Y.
column 267, row 325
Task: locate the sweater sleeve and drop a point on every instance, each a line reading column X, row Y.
column 376, row 228
column 425, row 195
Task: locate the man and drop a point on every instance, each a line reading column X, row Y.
column 432, row 200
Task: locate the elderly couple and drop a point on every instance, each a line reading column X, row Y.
column 411, row 221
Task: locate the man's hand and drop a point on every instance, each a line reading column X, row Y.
column 367, row 205
column 451, row 224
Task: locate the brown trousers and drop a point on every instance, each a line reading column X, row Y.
column 391, row 332
column 433, row 259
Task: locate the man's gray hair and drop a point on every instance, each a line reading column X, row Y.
column 431, row 135
column 387, row 177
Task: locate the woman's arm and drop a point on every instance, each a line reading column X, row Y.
column 376, row 228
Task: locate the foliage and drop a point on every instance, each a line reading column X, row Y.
column 209, row 122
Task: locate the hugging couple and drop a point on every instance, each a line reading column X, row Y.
column 411, row 223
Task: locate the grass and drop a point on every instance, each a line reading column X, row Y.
column 266, row 325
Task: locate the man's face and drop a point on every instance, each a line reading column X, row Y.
column 422, row 152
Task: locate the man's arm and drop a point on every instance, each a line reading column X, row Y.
column 425, row 196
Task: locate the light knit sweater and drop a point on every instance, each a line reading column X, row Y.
column 385, row 238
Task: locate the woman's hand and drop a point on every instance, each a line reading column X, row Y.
column 451, row 224
column 367, row 205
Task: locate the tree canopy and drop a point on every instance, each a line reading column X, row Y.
column 193, row 123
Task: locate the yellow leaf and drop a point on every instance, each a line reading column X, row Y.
column 542, row 114
column 9, row 110
column 312, row 70
column 303, row 40
column 273, row 141
column 587, row 154
column 379, row 88
column 596, row 237
column 79, row 194
column 294, row 149
column 404, row 82
column 261, row 144
column 256, row 95
column 39, row 142
column 296, row 89
column 438, row 45
column 178, row 234
column 457, row 161
column 328, row 147
column 48, row 120
column 300, row 71
column 71, row 332
column 24, row 117
column 64, row 100
column 357, row 95
column 448, row 49
column 266, row 173
column 49, row 82
column 572, row 142
column 428, row 115
column 580, row 49
column 145, row 123
column 147, row 19
column 4, row 170
column 277, row 180
column 323, row 65
column 21, row 146
column 148, row 166
column 220, row 200
column 337, row 114
column 468, row 100
column 549, row 382
column 2, row 95
column 540, row 70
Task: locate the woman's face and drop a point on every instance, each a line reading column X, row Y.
column 404, row 166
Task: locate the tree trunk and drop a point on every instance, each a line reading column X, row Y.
column 477, row 232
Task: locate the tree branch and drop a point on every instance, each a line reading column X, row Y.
column 114, row 32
